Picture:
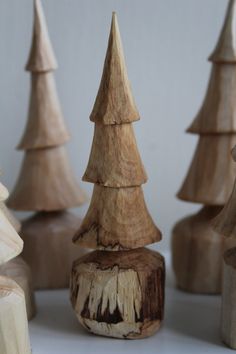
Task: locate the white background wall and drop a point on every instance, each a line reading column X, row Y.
column 166, row 44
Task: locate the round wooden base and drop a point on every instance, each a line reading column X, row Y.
column 197, row 253
column 18, row 270
column 48, row 247
column 119, row 294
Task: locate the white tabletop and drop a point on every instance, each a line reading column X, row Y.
column 191, row 326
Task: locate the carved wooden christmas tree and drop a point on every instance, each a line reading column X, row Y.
column 46, row 183
column 14, row 336
column 18, row 270
column 117, row 291
column 225, row 224
column 196, row 247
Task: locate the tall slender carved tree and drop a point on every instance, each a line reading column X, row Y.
column 14, row 337
column 46, row 183
column 118, row 290
column 196, row 247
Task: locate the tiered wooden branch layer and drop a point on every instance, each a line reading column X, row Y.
column 118, row 292
column 14, row 337
column 46, row 182
column 211, row 174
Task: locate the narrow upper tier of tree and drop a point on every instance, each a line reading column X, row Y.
column 114, row 160
column 114, row 103
column 211, row 175
column 45, row 124
column 41, row 57
column 225, row 51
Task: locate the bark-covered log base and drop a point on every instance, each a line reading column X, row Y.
column 197, row 253
column 20, row 272
column 48, row 248
column 119, row 294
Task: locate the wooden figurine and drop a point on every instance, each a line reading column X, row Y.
column 18, row 270
column 196, row 248
column 118, row 289
column 14, row 337
column 225, row 224
column 46, row 183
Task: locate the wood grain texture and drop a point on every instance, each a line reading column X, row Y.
column 119, row 294
column 14, row 337
column 11, row 244
column 48, row 248
column 11, row 218
column 225, row 51
column 46, row 182
column 228, row 310
column 114, row 159
column 19, row 271
column 218, row 112
column 45, row 126
column 211, row 175
column 41, row 57
column 117, row 219
column 197, row 253
column 114, row 103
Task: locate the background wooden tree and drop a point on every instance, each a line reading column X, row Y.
column 225, row 224
column 14, row 336
column 118, row 292
column 46, row 183
column 196, row 247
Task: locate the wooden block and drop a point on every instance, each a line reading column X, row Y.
column 197, row 253
column 48, row 248
column 14, row 338
column 119, row 294
column 19, row 271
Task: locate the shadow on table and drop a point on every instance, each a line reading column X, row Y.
column 195, row 316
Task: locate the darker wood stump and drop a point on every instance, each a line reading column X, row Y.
column 197, row 253
column 119, row 294
column 48, row 247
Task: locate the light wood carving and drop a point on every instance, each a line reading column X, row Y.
column 117, row 219
column 14, row 337
column 197, row 250
column 212, row 172
column 19, row 271
column 50, row 265
column 121, row 293
column 194, row 239
column 41, row 57
column 114, row 149
column 218, row 112
column 44, row 113
column 225, row 51
column 46, row 182
column 114, row 103
column 12, row 219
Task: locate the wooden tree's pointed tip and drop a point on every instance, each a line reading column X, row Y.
column 225, row 51
column 41, row 57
